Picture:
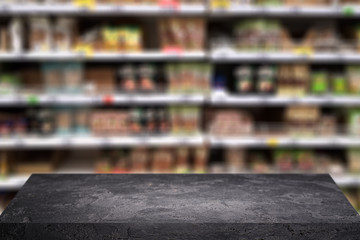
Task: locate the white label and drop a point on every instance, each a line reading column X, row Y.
column 19, row 142
column 4, row 8
column 66, row 141
column 143, row 140
column 105, row 142
column 295, row 9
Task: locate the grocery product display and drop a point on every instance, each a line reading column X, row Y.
column 180, row 86
column 142, row 160
column 299, row 121
column 76, row 78
column 177, row 120
column 264, row 35
column 182, row 34
column 64, row 35
column 287, row 80
column 185, row 159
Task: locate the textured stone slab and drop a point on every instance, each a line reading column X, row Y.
column 149, row 206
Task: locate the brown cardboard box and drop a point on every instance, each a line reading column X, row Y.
column 4, row 39
column 33, row 167
column 103, row 79
column 31, row 79
column 108, row 122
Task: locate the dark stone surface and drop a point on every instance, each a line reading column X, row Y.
column 149, row 206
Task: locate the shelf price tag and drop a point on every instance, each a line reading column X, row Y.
column 272, row 142
column 84, row 50
column 348, row 11
column 185, row 98
column 329, row 99
column 143, row 140
column 108, row 99
column 220, row 4
column 294, row 100
column 263, row 56
column 85, row 4
column 105, row 142
column 169, row 5
column 173, row 50
column 66, row 141
column 52, row 99
column 4, row 8
column 19, row 142
column 221, row 54
column 18, row 98
column 19, row 55
column 32, row 99
column 340, row 56
column 304, row 51
column 295, row 9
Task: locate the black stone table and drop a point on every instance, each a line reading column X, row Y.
column 209, row 206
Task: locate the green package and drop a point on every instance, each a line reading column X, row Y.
column 8, row 84
column 354, row 122
column 339, row 85
column 319, row 82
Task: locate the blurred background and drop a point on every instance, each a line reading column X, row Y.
column 179, row 86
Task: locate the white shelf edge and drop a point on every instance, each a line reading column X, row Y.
column 199, row 9
column 106, row 99
column 73, row 141
column 346, row 180
column 91, row 141
column 301, row 11
column 229, row 55
column 246, row 141
column 143, row 56
column 13, row 183
column 217, row 56
column 227, row 99
column 162, row 98
column 101, row 9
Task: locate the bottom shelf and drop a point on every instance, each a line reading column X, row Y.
column 12, row 183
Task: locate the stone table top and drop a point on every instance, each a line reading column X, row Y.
column 164, row 199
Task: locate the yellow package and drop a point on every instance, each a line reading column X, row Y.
column 133, row 39
column 122, row 35
column 110, row 38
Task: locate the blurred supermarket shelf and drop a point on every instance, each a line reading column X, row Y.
column 166, row 98
column 14, row 183
column 102, row 56
column 57, row 141
column 250, row 141
column 223, row 56
column 92, row 141
column 290, row 11
column 171, row 7
column 216, row 56
column 139, row 9
column 109, row 99
column 250, row 100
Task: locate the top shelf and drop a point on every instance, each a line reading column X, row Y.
column 288, row 11
column 101, row 9
column 182, row 9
